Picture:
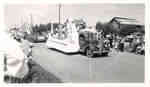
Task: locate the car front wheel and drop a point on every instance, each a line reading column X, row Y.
column 89, row 53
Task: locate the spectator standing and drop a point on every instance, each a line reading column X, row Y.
column 15, row 63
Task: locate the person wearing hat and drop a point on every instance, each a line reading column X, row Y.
column 15, row 61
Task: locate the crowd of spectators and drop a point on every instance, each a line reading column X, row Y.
column 133, row 42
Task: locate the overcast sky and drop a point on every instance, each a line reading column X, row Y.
column 16, row 14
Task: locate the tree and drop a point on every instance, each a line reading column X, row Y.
column 99, row 26
column 49, row 26
column 80, row 23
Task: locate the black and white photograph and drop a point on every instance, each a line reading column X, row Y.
column 74, row 43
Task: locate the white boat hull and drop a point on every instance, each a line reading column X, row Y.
column 62, row 45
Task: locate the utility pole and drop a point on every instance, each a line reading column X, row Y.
column 31, row 21
column 59, row 13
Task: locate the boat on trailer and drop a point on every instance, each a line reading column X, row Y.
column 64, row 38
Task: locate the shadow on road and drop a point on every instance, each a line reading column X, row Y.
column 63, row 52
column 100, row 56
column 95, row 56
column 37, row 74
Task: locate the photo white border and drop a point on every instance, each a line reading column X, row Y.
column 147, row 35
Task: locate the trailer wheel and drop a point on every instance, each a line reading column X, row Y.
column 89, row 53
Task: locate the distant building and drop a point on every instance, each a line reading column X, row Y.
column 126, row 25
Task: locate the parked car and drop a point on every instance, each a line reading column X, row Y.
column 128, row 45
column 18, row 35
column 134, row 43
column 37, row 37
column 140, row 49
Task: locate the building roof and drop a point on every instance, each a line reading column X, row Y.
column 128, row 21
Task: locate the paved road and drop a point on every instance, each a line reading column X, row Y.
column 121, row 67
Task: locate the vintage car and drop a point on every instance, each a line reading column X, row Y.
column 18, row 35
column 132, row 42
column 140, row 49
column 128, row 43
column 37, row 37
column 91, row 42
